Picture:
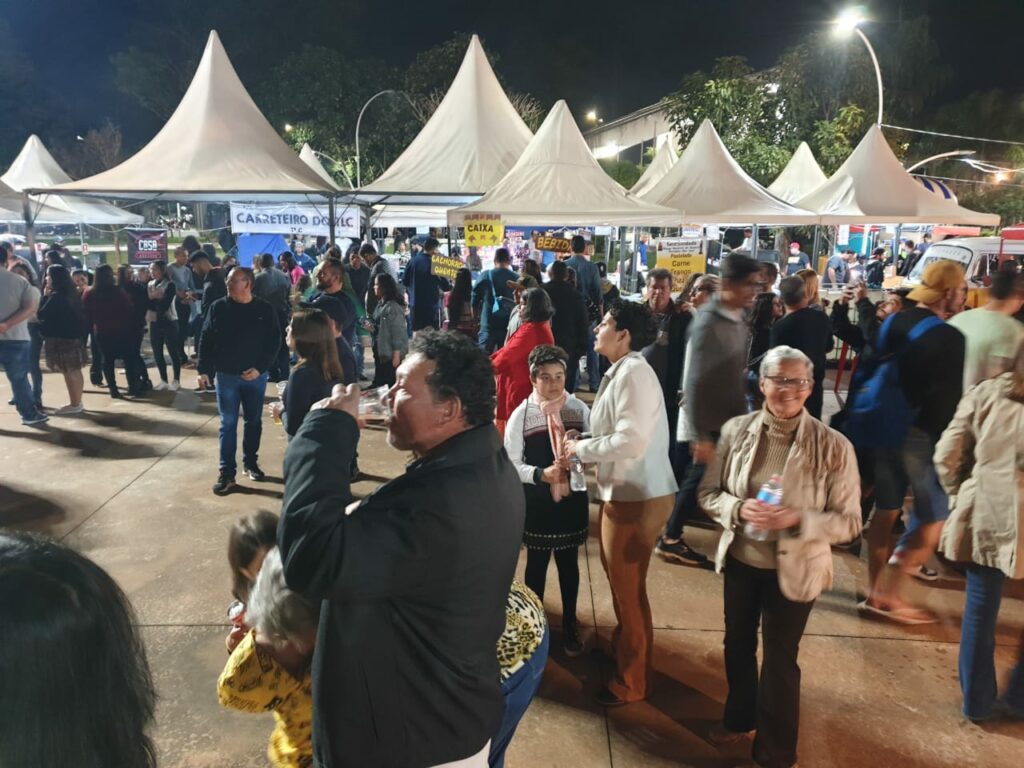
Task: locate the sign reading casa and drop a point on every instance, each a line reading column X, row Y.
column 484, row 230
column 289, row 219
column 146, row 246
column 682, row 256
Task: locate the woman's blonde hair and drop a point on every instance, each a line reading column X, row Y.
column 812, row 285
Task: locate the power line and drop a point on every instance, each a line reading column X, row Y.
column 968, row 181
column 953, row 135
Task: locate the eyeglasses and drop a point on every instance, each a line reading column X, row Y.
column 783, row 382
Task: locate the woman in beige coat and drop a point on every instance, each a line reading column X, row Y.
column 980, row 462
column 777, row 557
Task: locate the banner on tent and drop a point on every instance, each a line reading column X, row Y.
column 682, row 256
column 555, row 244
column 146, row 246
column 291, row 219
column 445, row 266
column 484, row 230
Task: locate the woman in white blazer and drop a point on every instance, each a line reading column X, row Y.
column 635, row 484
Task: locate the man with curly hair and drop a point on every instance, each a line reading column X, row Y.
column 414, row 577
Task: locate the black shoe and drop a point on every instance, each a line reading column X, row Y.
column 224, row 484
column 571, row 642
column 96, row 379
column 116, row 394
column 606, row 698
column 354, row 472
column 254, row 472
column 679, row 552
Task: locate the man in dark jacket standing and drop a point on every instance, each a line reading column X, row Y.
column 211, row 282
column 570, row 325
column 274, row 287
column 239, row 343
column 493, row 300
column 415, row 576
column 424, row 288
column 807, row 329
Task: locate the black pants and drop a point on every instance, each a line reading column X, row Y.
column 567, row 563
column 184, row 315
column 686, row 506
column 816, row 401
column 770, row 703
column 141, row 381
column 384, row 372
column 165, row 332
column 425, row 317
column 280, row 368
column 96, row 366
column 124, row 347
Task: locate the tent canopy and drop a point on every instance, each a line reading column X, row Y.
column 872, row 187
column 12, row 208
column 35, row 167
column 468, row 144
column 216, row 146
column 558, row 181
column 711, row 188
column 801, row 176
column 663, row 161
column 308, row 156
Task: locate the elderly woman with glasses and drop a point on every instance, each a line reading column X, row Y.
column 776, row 556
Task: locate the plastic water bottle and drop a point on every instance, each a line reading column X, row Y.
column 770, row 493
column 577, row 480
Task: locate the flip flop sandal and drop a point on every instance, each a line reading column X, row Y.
column 904, row 616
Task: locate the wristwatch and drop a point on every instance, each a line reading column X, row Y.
column 538, row 476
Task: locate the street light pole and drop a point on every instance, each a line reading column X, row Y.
column 878, row 70
column 359, row 120
column 956, row 153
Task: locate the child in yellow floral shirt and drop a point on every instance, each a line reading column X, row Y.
column 269, row 670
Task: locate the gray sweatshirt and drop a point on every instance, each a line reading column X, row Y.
column 714, row 373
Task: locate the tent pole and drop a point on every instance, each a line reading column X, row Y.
column 754, row 238
column 30, row 234
column 817, row 247
column 81, row 239
column 332, row 219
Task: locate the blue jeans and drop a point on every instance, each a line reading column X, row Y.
column 593, row 362
column 519, row 691
column 16, row 358
column 978, row 647
column 34, row 371
column 232, row 392
column 357, row 350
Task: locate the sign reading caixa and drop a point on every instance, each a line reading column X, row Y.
column 484, row 230
column 146, row 245
column 288, row 219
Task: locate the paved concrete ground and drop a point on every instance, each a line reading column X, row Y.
column 128, row 484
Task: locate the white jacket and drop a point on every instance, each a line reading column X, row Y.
column 630, row 427
column 527, row 417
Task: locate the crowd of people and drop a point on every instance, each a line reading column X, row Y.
column 389, row 630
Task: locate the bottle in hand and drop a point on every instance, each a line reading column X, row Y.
column 770, row 493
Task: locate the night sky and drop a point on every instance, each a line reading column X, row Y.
column 612, row 56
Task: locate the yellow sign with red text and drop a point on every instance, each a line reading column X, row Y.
column 683, row 257
column 484, row 230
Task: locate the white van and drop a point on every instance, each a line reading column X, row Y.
column 979, row 256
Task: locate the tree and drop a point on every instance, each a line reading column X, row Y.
column 97, row 151
column 834, row 139
column 624, row 172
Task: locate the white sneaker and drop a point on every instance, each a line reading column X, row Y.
column 69, row 410
column 160, row 386
column 174, row 386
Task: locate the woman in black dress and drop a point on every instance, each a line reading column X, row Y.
column 557, row 518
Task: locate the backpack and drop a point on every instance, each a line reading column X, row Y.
column 501, row 307
column 879, row 414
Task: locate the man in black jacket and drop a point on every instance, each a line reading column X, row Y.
column 570, row 325
column 807, row 329
column 212, row 287
column 415, row 576
column 274, row 287
column 239, row 343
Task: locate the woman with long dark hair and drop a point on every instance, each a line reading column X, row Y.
column 163, row 324
column 391, row 333
column 135, row 286
column 111, row 315
column 69, row 654
column 23, row 268
column 767, row 309
column 286, row 261
column 311, row 338
column 63, row 326
column 458, row 305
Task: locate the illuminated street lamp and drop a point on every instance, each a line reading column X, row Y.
column 591, row 116
column 288, row 127
column 850, row 21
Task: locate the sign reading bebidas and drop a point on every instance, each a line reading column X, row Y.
column 445, row 266
column 146, row 246
column 484, row 230
column 555, row 244
column 291, row 219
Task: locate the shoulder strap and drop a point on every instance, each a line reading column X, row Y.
column 923, row 327
column 883, row 334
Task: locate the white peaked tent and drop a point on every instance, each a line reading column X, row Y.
column 216, row 146
column 558, row 181
column 308, row 156
column 12, row 208
column 709, row 185
column 664, row 159
column 466, row 147
column 35, row 167
column 801, row 176
column 872, row 186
